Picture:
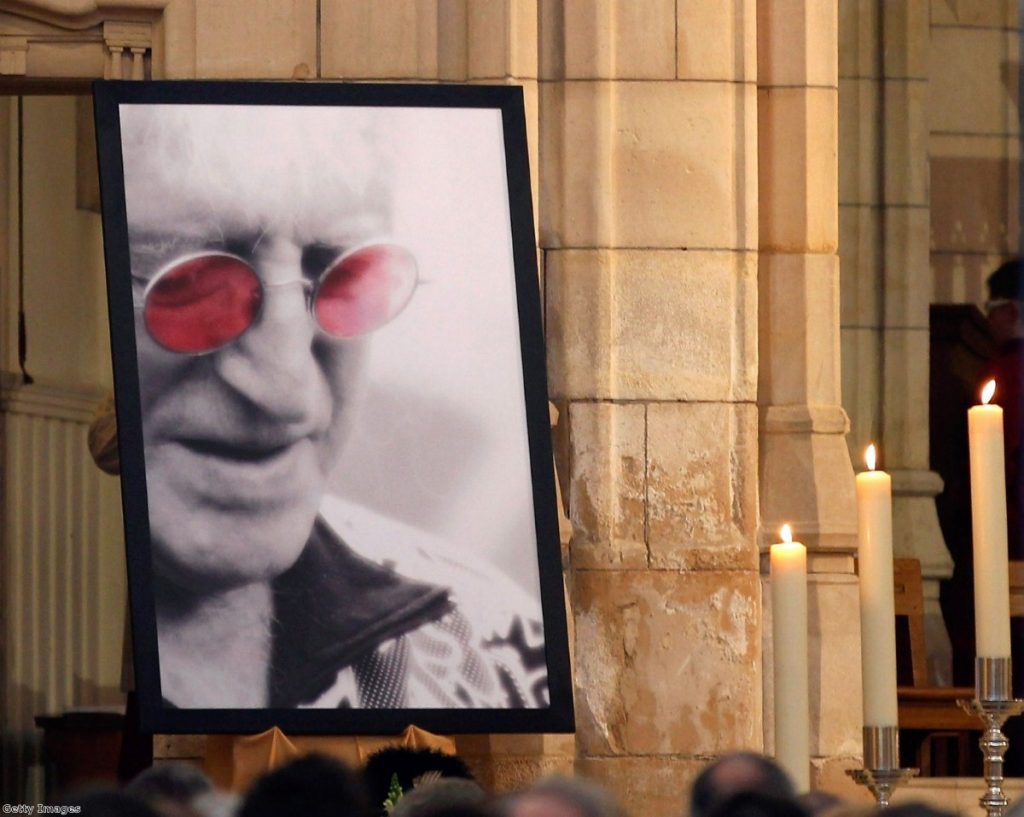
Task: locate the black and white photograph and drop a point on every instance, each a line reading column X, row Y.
column 332, row 408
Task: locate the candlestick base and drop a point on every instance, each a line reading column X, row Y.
column 881, row 773
column 881, row 782
column 993, row 704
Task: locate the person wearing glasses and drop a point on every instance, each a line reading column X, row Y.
column 260, row 273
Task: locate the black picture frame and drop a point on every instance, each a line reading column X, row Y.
column 434, row 111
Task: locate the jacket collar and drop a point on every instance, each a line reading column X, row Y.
column 331, row 608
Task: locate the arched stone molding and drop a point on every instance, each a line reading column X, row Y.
column 79, row 39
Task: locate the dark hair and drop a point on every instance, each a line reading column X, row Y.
column 1007, row 281
column 758, row 804
column 407, row 764
column 586, row 798
column 735, row 773
column 313, row 786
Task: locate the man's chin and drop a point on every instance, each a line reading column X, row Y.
column 211, row 549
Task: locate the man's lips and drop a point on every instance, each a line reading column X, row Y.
column 243, row 452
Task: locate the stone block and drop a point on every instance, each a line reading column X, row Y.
column 974, row 194
column 807, row 480
column 799, row 313
column 860, row 257
column 648, row 164
column 862, row 362
column 905, row 397
column 486, row 41
column 967, row 13
column 608, row 487
column 907, row 34
column 645, row 786
column 797, row 174
column 667, row 662
column 858, row 39
column 383, row 39
column 906, row 277
column 702, row 492
column 654, row 324
column 905, row 129
column 973, row 81
column 606, row 39
column 833, row 645
column 828, row 774
column 508, row 762
column 859, row 142
column 227, row 31
column 797, row 43
column 716, row 39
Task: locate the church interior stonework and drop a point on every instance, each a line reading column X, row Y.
column 748, row 213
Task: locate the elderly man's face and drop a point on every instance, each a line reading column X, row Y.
column 239, row 442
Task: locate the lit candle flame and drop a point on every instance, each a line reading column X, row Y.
column 869, row 457
column 988, row 391
column 787, row 534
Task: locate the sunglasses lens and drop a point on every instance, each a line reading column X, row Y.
column 202, row 304
column 364, row 290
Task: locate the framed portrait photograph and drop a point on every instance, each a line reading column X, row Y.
column 330, row 383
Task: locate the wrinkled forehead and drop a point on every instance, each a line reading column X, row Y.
column 314, row 174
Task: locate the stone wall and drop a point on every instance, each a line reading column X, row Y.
column 685, row 169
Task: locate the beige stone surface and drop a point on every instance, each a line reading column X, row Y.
column 667, row 662
column 829, row 774
column 507, row 762
column 797, row 43
column 807, row 481
column 833, row 643
column 648, row 164
column 261, row 39
column 799, row 308
column 702, row 492
column 797, row 177
column 860, row 253
column 486, row 41
column 717, row 39
column 974, row 193
column 651, row 324
column 906, row 142
column 860, row 142
column 968, row 13
column 646, row 786
column 861, row 388
column 906, row 275
column 607, row 39
column 906, row 31
column 608, row 486
column 905, row 397
column 972, row 84
column 380, row 39
column 858, row 38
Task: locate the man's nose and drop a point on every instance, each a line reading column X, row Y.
column 272, row 365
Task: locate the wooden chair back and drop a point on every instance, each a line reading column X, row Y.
column 909, row 602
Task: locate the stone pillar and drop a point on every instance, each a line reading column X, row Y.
column 887, row 284
column 648, row 196
column 806, row 476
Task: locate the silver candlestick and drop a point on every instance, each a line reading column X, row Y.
column 881, row 773
column 994, row 704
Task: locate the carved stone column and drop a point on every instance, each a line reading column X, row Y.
column 806, row 475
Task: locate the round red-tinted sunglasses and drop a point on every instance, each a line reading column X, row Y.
column 202, row 302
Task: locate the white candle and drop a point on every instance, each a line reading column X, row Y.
column 789, row 642
column 988, row 514
column 877, row 608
